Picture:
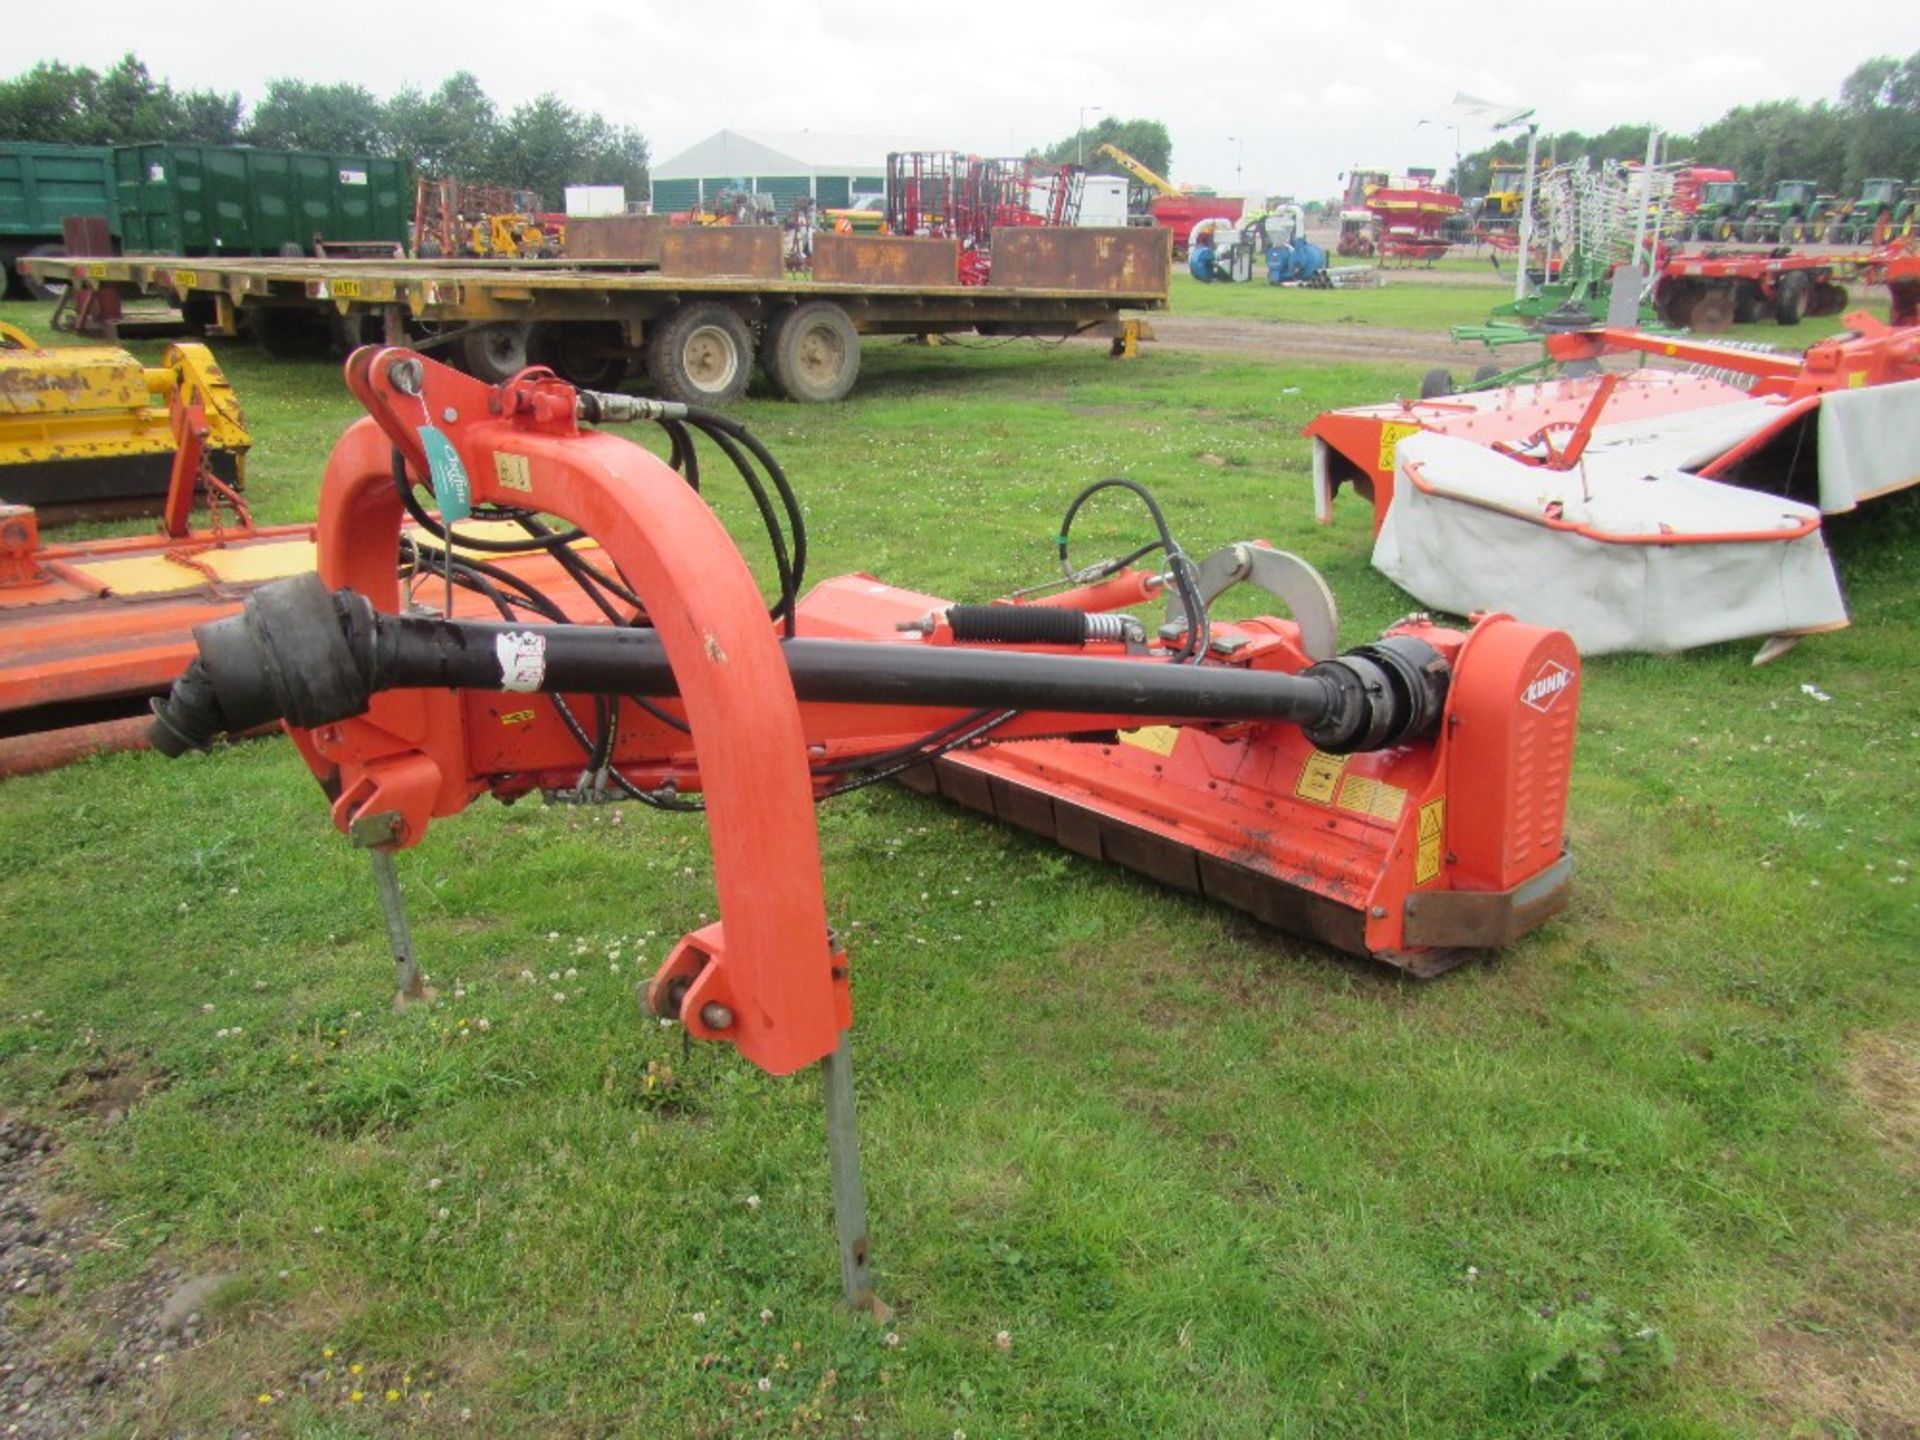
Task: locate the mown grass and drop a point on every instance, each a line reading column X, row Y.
column 1210, row 1181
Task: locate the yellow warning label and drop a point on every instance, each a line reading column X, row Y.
column 1426, row 860
column 1391, row 434
column 511, row 470
column 1160, row 739
column 185, row 279
column 517, row 717
column 1365, row 796
column 1320, row 777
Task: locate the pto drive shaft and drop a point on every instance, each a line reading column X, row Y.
column 312, row 657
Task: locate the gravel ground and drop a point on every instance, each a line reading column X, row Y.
column 70, row 1369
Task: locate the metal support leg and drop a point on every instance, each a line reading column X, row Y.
column 393, row 325
column 408, row 983
column 849, row 1193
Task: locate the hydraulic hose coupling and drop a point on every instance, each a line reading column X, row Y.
column 598, row 407
column 1379, row 695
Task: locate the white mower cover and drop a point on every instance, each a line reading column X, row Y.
column 1869, row 443
column 1600, row 550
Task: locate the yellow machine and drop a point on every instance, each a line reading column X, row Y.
column 1505, row 190
column 88, row 430
column 508, row 237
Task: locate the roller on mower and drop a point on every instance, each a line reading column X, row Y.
column 1402, row 799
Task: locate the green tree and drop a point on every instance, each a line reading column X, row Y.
column 129, row 106
column 452, row 132
column 547, row 145
column 1146, row 140
column 1880, row 102
column 298, row 115
column 47, row 103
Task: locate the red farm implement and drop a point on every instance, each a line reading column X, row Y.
column 1404, row 798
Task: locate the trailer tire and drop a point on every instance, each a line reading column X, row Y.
column 1750, row 306
column 36, row 288
column 1436, row 384
column 1790, row 297
column 494, row 353
column 1484, row 373
column 702, row 354
column 287, row 333
column 588, row 353
column 812, row 353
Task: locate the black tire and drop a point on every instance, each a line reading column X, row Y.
column 812, row 353
column 36, row 288
column 588, row 353
column 1790, row 297
column 701, row 354
column 1484, row 373
column 287, row 333
column 1436, row 384
column 496, row 352
column 1749, row 305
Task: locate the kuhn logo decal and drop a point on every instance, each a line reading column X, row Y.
column 1545, row 687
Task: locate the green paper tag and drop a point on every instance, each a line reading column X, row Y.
column 452, row 491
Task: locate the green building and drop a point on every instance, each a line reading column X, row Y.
column 790, row 166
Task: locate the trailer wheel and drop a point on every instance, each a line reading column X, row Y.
column 590, row 354
column 1484, row 373
column 1750, row 306
column 1790, row 297
column 495, row 352
column 701, row 355
column 1436, row 384
column 812, row 353
column 36, row 288
column 287, row 333
column 1712, row 311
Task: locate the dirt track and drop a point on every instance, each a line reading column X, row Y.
column 1286, row 340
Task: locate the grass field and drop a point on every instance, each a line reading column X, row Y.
column 1135, row 1166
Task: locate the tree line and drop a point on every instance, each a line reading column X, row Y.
column 457, row 130
column 1871, row 131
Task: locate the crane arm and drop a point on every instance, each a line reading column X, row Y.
column 1134, row 168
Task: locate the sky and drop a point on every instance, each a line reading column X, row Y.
column 1259, row 98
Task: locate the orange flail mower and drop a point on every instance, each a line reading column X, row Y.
column 1403, row 799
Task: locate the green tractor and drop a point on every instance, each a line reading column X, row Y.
column 1770, row 221
column 1884, row 210
column 1721, row 204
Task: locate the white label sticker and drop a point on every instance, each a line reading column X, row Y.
column 523, row 659
column 353, row 177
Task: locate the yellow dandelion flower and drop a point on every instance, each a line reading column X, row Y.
column 327, row 1354
column 357, row 1396
column 392, row 1395
column 263, row 1398
column 355, row 1368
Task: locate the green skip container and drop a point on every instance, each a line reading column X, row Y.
column 235, row 200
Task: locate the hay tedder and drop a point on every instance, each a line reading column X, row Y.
column 1403, row 799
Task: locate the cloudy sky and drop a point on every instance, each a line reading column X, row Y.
column 1259, row 97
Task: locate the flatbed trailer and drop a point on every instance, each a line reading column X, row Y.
column 696, row 315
